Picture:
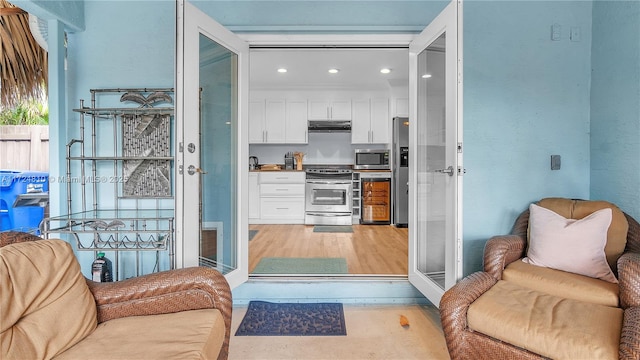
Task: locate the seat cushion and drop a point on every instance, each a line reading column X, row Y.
column 46, row 306
column 547, row 325
column 196, row 334
column 563, row 284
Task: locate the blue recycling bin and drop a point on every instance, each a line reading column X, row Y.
column 23, row 198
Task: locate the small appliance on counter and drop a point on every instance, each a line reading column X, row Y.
column 253, row 163
column 288, row 161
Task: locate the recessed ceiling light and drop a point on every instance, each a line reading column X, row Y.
column 282, row 70
column 333, row 71
column 385, row 71
column 426, row 76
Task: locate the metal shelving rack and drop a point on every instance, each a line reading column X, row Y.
column 137, row 164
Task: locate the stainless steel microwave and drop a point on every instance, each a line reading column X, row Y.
column 369, row 159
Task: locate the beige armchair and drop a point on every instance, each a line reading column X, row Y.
column 516, row 310
column 49, row 310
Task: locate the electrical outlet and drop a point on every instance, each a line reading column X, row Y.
column 555, row 162
column 556, row 32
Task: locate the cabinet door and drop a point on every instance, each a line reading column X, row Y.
column 318, row 110
column 275, row 117
column 380, row 121
column 254, row 196
column 256, row 121
column 296, row 124
column 360, row 123
column 341, row 109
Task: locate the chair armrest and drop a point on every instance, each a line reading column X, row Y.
column 161, row 293
column 454, row 305
column 629, row 279
column 501, row 251
column 630, row 336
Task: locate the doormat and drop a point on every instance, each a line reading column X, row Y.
column 252, row 233
column 293, row 319
column 333, row 228
column 282, row 265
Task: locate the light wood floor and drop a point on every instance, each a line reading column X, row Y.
column 370, row 249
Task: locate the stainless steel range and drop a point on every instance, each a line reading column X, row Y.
column 328, row 193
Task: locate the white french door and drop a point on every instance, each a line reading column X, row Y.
column 435, row 148
column 211, row 116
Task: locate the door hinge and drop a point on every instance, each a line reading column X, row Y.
column 180, row 169
column 181, row 147
column 459, row 148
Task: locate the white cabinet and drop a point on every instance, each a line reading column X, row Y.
column 256, row 121
column 277, row 121
column 282, row 198
column 254, row 197
column 371, row 121
column 296, row 122
column 339, row 109
column 266, row 121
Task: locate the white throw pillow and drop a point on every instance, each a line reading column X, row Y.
column 570, row 245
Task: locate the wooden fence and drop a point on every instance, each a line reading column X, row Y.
column 24, row 147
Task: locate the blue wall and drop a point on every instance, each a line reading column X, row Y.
column 615, row 104
column 525, row 98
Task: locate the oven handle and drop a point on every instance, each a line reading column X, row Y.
column 327, row 214
column 325, row 182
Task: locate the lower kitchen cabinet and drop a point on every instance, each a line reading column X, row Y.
column 282, row 197
column 254, row 197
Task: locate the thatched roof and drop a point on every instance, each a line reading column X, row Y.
column 23, row 63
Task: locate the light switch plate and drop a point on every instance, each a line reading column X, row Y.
column 555, row 162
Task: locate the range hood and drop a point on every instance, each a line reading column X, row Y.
column 329, row 126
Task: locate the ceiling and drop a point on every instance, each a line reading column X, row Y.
column 308, row 68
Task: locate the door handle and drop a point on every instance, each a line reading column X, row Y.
column 192, row 170
column 448, row 170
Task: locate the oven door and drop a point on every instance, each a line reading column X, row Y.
column 328, row 196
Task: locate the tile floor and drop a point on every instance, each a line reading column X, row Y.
column 373, row 332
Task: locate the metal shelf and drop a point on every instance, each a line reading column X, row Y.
column 136, row 140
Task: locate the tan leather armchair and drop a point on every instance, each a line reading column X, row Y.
column 170, row 293
column 475, row 303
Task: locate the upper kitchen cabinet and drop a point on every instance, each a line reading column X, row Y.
column 330, row 109
column 370, row 123
column 277, row 121
column 296, row 122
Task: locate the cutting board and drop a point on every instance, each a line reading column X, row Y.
column 270, row 167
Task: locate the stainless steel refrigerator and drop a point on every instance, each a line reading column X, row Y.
column 401, row 171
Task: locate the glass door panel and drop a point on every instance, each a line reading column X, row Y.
column 218, row 155
column 434, row 229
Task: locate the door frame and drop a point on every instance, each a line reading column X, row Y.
column 255, row 41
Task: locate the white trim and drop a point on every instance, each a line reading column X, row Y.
column 299, row 40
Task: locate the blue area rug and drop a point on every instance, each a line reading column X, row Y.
column 292, row 319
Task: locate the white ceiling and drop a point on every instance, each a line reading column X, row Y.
column 359, row 68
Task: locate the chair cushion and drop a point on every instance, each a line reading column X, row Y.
column 195, row 334
column 563, row 284
column 578, row 209
column 46, row 306
column 547, row 325
column 570, row 245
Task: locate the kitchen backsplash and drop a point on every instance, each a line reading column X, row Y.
column 324, row 148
